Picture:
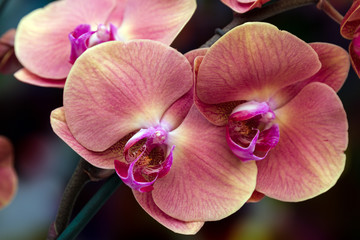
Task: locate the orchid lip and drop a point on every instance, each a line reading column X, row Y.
column 147, row 158
column 83, row 38
column 251, row 132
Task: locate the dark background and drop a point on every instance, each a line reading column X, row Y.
column 45, row 163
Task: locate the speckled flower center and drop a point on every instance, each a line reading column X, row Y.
column 147, row 158
column 251, row 131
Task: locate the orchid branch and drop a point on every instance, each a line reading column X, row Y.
column 329, row 9
column 83, row 174
column 259, row 14
column 77, row 181
column 91, row 208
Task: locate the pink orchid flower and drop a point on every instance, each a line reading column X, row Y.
column 8, row 61
column 49, row 40
column 8, row 183
column 242, row 6
column 276, row 95
column 350, row 29
column 129, row 107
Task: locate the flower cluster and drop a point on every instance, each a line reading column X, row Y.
column 254, row 125
column 194, row 136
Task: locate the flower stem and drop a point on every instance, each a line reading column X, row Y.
column 91, row 208
column 329, row 9
column 83, row 174
column 259, row 14
column 77, row 181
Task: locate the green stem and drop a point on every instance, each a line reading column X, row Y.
column 91, row 208
column 259, row 14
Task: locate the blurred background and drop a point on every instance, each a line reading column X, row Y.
column 45, row 163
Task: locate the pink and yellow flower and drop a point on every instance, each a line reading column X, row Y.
column 49, row 40
column 276, row 95
column 350, row 29
column 129, row 107
column 242, row 6
column 8, row 183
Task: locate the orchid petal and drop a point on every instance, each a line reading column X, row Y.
column 355, row 59
column 334, row 70
column 309, row 157
column 41, row 42
column 177, row 112
column 157, row 20
column 242, row 6
column 113, row 89
column 217, row 114
column 99, row 159
column 25, row 76
column 192, row 55
column 8, row 183
column 351, row 21
column 8, row 61
column 242, row 66
column 147, row 203
column 207, row 182
column 256, row 197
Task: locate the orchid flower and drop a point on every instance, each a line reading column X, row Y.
column 8, row 183
column 350, row 29
column 129, row 107
column 276, row 96
column 49, row 40
column 242, row 6
column 8, row 61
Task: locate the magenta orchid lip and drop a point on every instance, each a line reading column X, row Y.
column 251, row 132
column 145, row 162
column 83, row 38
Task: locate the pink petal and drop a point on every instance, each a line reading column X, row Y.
column 8, row 183
column 27, row 77
column 335, row 66
column 8, row 38
column 355, row 59
column 309, row 157
column 351, row 21
column 217, row 114
column 99, row 159
column 242, row 6
column 206, row 181
column 177, row 112
column 256, row 197
column 41, row 42
column 115, row 88
column 192, row 55
column 157, row 19
column 8, row 61
column 253, row 61
column 178, row 226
